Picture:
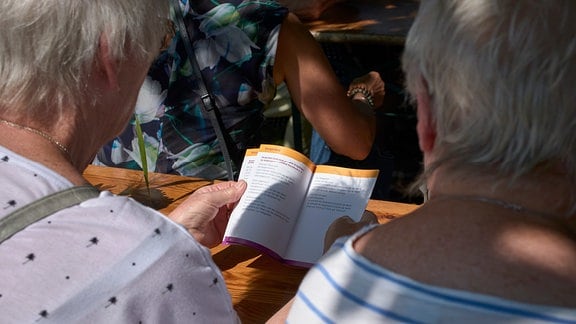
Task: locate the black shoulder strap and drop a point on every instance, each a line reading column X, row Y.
column 43, row 207
column 229, row 150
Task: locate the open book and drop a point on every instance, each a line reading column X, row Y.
column 290, row 202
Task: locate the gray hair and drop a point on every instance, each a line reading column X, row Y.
column 501, row 75
column 48, row 46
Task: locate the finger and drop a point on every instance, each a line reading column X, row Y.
column 223, row 193
column 344, row 220
column 369, row 217
column 217, row 186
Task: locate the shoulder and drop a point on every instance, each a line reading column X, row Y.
column 346, row 285
column 101, row 257
column 481, row 252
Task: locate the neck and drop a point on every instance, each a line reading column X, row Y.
column 49, row 138
column 544, row 193
column 43, row 148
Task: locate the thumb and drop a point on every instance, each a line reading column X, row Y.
column 368, row 217
column 223, row 193
column 342, row 226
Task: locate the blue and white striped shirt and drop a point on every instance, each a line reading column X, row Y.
column 345, row 287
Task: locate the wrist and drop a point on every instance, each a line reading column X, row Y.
column 361, row 94
column 362, row 98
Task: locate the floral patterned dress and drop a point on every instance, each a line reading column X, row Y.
column 235, row 44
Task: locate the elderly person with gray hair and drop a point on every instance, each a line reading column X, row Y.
column 494, row 83
column 71, row 71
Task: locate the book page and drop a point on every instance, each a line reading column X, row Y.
column 248, row 163
column 333, row 192
column 267, row 212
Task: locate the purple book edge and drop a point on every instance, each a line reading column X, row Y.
column 236, row 240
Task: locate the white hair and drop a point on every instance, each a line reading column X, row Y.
column 48, row 46
column 501, row 75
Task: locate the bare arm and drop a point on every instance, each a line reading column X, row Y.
column 348, row 128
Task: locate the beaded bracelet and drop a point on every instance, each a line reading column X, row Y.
column 364, row 92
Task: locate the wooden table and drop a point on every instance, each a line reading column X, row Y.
column 258, row 284
column 365, row 21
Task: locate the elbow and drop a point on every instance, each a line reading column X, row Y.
column 362, row 156
column 355, row 142
column 358, row 150
column 362, row 146
column 361, row 152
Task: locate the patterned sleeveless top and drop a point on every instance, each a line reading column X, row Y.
column 235, row 44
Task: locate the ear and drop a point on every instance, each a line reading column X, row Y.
column 105, row 69
column 426, row 127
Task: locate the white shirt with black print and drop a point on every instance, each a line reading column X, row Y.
column 107, row 260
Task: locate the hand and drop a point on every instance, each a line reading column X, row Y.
column 373, row 83
column 345, row 226
column 308, row 9
column 206, row 212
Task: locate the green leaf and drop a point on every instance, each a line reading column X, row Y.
column 142, row 149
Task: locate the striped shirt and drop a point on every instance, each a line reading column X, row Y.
column 345, row 287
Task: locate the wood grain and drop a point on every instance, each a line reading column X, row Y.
column 365, row 21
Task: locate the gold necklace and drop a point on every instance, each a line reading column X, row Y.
column 49, row 138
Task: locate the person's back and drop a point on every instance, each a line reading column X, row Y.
column 423, row 278
column 107, row 260
column 496, row 239
column 483, row 247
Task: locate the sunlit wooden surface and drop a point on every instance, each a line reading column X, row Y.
column 258, row 284
column 365, row 21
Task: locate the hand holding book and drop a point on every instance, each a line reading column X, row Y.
column 346, row 226
column 290, row 202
